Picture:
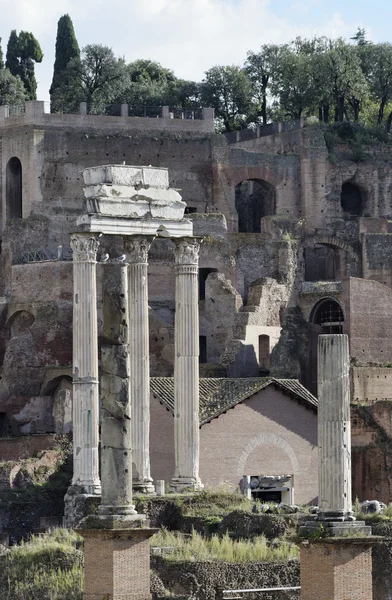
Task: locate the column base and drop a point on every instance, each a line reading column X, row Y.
column 78, row 504
column 114, row 518
column 143, row 486
column 117, row 564
column 327, row 528
column 186, row 484
column 337, row 569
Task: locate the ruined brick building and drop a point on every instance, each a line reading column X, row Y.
column 296, row 242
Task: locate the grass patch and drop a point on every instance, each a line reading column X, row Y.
column 47, row 567
column 222, row 549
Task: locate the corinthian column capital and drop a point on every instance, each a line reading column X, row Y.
column 186, row 251
column 84, row 246
column 136, row 249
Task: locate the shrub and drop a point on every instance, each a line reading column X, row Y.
column 222, row 549
column 48, row 567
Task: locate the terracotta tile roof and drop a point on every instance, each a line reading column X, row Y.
column 219, row 395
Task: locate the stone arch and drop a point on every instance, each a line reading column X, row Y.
column 20, row 323
column 236, row 175
column 14, row 201
column 269, row 439
column 254, row 199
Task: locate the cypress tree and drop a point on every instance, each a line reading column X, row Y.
column 67, row 49
column 12, row 60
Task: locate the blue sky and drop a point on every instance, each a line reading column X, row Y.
column 189, row 36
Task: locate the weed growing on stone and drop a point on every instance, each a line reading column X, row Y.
column 178, row 547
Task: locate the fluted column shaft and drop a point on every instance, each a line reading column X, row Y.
column 85, row 363
column 186, row 366
column 334, row 427
column 137, row 255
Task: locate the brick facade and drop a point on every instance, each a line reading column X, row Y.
column 333, row 570
column 116, row 565
column 268, row 434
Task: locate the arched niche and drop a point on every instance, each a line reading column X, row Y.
column 264, row 353
column 14, row 188
column 254, row 199
column 351, row 199
column 20, row 323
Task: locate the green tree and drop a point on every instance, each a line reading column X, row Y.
column 12, row 57
column 1, row 57
column 97, row 78
column 23, row 51
column 360, row 37
column 260, row 69
column 227, row 90
column 378, row 61
column 293, row 85
column 12, row 90
column 67, row 49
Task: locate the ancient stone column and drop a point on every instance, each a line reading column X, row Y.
column 334, row 428
column 85, row 364
column 186, row 367
column 116, row 446
column 136, row 249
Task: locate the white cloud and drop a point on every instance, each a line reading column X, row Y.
column 186, row 36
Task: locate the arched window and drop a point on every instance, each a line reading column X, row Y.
column 264, row 353
column 351, row 199
column 14, row 188
column 328, row 315
column 254, row 199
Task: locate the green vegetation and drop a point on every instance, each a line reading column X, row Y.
column 223, row 549
column 45, row 568
column 67, row 49
column 23, row 51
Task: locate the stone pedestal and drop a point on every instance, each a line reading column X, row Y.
column 186, row 367
column 116, row 564
column 85, row 364
column 337, row 569
column 137, row 249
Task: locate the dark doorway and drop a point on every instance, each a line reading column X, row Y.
column 264, row 354
column 351, row 200
column 254, row 199
column 203, row 274
column 14, row 188
column 321, row 263
column 202, row 349
column 267, row 496
column 190, row 210
column 326, row 318
column 3, row 425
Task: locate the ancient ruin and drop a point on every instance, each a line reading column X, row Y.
column 296, row 242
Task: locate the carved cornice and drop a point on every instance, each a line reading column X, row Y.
column 84, row 247
column 136, row 249
column 186, row 251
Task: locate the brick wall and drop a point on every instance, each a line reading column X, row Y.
column 336, row 571
column 26, row 447
column 269, row 434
